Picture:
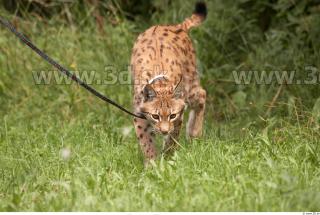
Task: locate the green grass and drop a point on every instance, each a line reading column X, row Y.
column 258, row 172
column 242, row 163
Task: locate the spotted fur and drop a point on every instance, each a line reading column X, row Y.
column 163, row 66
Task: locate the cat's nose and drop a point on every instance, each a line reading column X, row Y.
column 164, row 132
column 164, row 128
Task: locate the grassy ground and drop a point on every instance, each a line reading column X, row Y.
column 62, row 149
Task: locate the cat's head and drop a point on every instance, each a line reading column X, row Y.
column 163, row 106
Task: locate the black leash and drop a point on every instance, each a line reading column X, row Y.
column 8, row 25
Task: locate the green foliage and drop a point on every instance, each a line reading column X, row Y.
column 272, row 171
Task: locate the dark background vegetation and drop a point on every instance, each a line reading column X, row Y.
column 270, row 35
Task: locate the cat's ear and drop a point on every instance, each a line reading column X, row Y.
column 148, row 92
column 178, row 90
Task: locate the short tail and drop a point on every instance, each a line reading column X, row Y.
column 198, row 16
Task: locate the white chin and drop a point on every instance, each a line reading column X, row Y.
column 165, row 136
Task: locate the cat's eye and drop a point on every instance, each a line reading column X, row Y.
column 173, row 116
column 155, row 116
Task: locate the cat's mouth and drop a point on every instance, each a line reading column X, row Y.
column 164, row 133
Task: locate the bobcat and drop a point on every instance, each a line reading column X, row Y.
column 163, row 67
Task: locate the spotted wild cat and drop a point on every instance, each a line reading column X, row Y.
column 163, row 66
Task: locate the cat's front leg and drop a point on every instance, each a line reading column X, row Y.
column 146, row 139
column 197, row 101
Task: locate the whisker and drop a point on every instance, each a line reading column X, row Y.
column 175, row 141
